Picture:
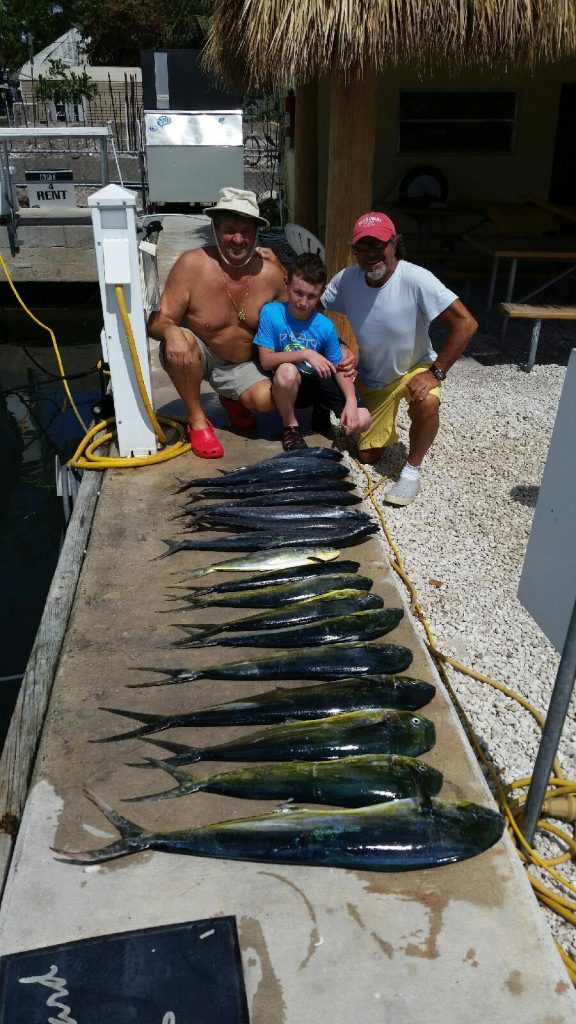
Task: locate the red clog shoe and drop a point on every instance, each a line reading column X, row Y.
column 204, row 442
column 238, row 415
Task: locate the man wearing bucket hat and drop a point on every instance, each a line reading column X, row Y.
column 208, row 316
column 390, row 304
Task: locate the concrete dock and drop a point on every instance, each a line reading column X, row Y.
column 460, row 943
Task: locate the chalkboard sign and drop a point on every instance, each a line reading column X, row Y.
column 178, row 974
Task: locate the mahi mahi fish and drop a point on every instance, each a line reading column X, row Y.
column 265, row 561
column 309, row 663
column 312, row 609
column 383, row 731
column 318, row 700
column 368, row 625
column 277, row 596
column 403, row 835
column 347, row 782
column 270, row 578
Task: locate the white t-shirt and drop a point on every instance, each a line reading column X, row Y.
column 390, row 323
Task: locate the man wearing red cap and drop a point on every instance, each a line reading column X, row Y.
column 390, row 304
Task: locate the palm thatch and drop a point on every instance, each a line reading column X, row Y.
column 276, row 41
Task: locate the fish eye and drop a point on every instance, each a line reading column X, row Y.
column 415, row 720
column 421, row 768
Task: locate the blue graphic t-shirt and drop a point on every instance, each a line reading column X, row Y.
column 279, row 331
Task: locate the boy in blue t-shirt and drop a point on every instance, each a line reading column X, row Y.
column 300, row 348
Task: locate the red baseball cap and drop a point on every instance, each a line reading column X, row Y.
column 373, row 225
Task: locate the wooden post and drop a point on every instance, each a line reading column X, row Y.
column 306, row 157
column 350, row 167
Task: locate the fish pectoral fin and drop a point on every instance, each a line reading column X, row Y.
column 423, row 794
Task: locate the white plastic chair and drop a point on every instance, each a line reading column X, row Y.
column 302, row 240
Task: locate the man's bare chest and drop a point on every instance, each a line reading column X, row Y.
column 219, row 303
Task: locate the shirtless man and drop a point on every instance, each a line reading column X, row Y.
column 209, row 314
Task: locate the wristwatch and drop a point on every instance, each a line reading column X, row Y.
column 437, row 372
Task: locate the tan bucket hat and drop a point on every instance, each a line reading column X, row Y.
column 239, row 201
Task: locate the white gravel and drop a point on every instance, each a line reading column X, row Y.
column 463, row 543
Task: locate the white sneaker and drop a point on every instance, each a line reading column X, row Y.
column 403, row 492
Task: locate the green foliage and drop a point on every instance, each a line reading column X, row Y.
column 44, row 19
column 117, row 30
column 64, row 86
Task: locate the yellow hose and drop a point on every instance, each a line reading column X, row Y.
column 85, row 456
column 561, row 795
column 119, row 292
column 52, row 338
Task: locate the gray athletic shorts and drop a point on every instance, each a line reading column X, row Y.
column 228, row 379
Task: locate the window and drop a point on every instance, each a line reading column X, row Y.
column 457, row 122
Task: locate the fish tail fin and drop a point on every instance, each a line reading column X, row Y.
column 191, row 602
column 194, row 573
column 186, row 783
column 133, row 838
column 183, row 754
column 193, row 643
column 185, row 485
column 174, row 676
column 151, row 723
column 173, row 546
column 194, row 632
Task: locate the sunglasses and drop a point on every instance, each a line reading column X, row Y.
column 362, row 247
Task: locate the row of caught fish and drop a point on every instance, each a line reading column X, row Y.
column 351, row 742
column 294, row 495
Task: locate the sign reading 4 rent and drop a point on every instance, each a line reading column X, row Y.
column 50, row 188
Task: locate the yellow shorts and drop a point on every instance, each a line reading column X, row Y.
column 383, row 404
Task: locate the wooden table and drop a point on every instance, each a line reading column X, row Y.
column 524, row 247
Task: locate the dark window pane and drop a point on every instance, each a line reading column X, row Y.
column 456, row 105
column 459, row 137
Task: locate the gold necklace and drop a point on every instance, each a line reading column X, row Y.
column 240, row 310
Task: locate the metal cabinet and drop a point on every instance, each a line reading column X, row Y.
column 191, row 155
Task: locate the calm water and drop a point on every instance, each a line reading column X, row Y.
column 30, row 531
column 35, row 426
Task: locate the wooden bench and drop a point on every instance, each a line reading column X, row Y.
column 522, row 311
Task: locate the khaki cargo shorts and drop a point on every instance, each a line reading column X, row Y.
column 228, row 379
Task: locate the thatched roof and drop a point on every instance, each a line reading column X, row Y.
column 264, row 41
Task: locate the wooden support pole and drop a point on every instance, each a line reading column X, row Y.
column 350, row 168
column 306, row 157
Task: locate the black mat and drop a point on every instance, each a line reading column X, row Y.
column 178, row 974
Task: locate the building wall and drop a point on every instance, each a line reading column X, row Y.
column 474, row 177
column 118, row 100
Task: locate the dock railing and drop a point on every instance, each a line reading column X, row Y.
column 102, row 134
column 9, row 207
